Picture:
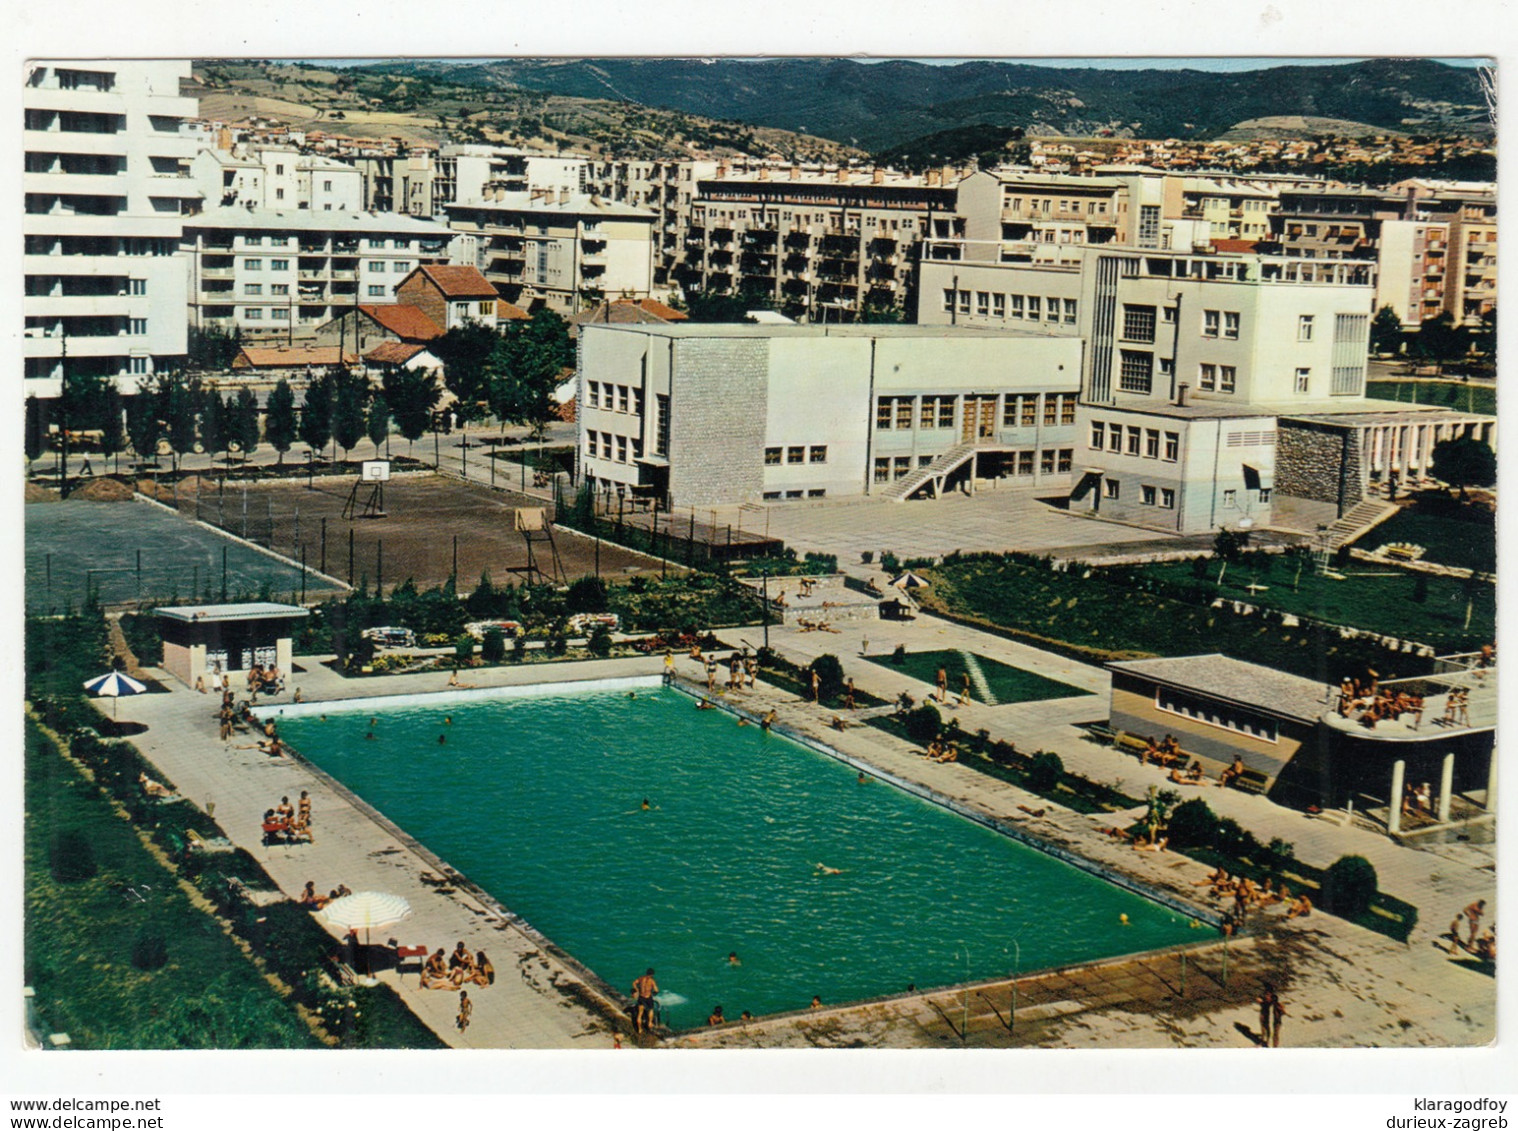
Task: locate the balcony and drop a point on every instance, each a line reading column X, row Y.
column 345, row 275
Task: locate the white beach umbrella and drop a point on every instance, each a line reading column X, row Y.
column 909, row 580
column 366, row 910
column 113, row 685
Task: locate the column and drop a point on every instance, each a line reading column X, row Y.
column 1394, row 805
column 1447, row 785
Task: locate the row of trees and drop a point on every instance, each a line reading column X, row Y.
column 510, row 373
column 1436, row 339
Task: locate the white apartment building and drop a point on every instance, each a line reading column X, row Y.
column 278, row 177
column 560, row 250
column 1209, row 382
column 704, row 415
column 283, row 273
column 106, row 178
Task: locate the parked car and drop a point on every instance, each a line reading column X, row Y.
column 510, row 629
column 584, row 623
column 390, row 637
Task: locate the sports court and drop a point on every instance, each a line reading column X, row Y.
column 426, row 520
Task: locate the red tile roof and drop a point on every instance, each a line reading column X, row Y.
column 394, row 353
column 282, row 357
column 1233, row 245
column 668, row 313
column 406, row 322
column 506, row 312
column 458, row 282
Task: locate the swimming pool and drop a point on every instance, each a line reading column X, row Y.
column 538, row 800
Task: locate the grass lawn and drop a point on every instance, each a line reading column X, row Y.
column 992, row 682
column 78, row 937
column 1465, row 396
column 1448, row 541
column 1378, row 598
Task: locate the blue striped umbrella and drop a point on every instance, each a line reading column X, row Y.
column 114, row 685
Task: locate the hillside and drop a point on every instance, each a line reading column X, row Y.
column 377, row 102
column 880, row 105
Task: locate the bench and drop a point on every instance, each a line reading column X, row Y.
column 1102, row 733
column 1251, row 781
column 1130, row 743
column 408, row 958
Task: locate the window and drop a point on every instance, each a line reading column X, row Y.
column 253, row 314
column 280, row 314
column 903, row 413
column 948, row 300
column 326, row 186
column 376, row 290
column 1215, row 714
column 1207, row 377
column 1051, row 408
column 621, row 449
column 1304, row 380
column 928, row 417
column 1067, row 408
column 1167, row 498
column 1070, row 312
column 279, row 289
column 1230, row 498
column 252, row 288
column 1149, row 225
column 1167, row 315
column 1111, row 488
column 621, row 398
column 795, row 454
column 253, row 264
column 1210, row 322
column 884, row 410
column 1304, row 328
column 1033, row 307
column 1231, row 324
column 982, row 303
column 1136, row 374
column 1135, row 438
column 772, row 457
column 593, row 394
column 279, row 265
column 999, row 306
column 1098, row 434
column 1138, row 323
column 1172, row 446
column 1009, row 409
column 139, row 364
column 1046, row 461
column 1024, row 463
column 486, row 307
column 817, row 493
column 818, row 453
column 400, row 266
column 137, row 325
column 1146, row 495
column 1227, row 378
column 1152, row 443
column 138, row 286
column 1264, row 494
column 901, row 466
column 882, row 469
column 1017, row 305
column 279, row 194
column 1052, row 306
column 1115, row 438
column 1066, row 460
column 964, row 302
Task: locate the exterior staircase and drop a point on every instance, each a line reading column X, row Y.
column 1357, row 520
column 934, row 473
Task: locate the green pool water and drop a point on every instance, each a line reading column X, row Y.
column 991, row 681
column 538, row 801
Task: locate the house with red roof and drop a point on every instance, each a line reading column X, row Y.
column 451, row 295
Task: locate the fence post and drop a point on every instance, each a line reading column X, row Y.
column 223, row 573
column 690, row 539
column 455, row 573
column 350, row 557
column 379, row 568
column 302, row 573
column 324, row 544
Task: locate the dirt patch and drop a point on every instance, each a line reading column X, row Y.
column 36, row 493
column 103, row 491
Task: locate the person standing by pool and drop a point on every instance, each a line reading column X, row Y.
column 816, row 687
column 964, row 688
column 644, row 989
column 466, row 1010
column 848, row 693
column 942, row 680
column 1270, row 1018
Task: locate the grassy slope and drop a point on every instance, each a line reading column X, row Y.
column 78, row 938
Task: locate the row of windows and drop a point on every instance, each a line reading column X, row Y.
column 1216, row 378
column 1227, row 319
column 1068, row 207
column 796, row 453
column 794, row 493
column 1018, row 410
column 1151, row 496
column 1149, row 443
column 399, row 243
column 613, row 398
column 1215, row 714
column 1029, row 308
column 1019, row 463
column 372, row 266
column 621, row 449
column 276, row 314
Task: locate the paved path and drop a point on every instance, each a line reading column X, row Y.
column 1346, row 986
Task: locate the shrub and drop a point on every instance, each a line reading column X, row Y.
column 70, row 857
column 889, row 562
column 587, row 595
column 600, row 641
column 1002, row 753
column 463, row 648
column 1232, row 839
column 362, row 654
column 923, row 723
column 1199, row 567
column 1349, row 886
column 829, row 673
column 1193, row 825
column 866, row 556
column 1044, row 772
column 493, row 646
column 150, row 951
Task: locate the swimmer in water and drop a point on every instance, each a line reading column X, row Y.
column 646, row 805
column 705, row 705
column 742, row 721
column 448, row 720
column 826, row 871
column 732, row 958
column 370, row 736
column 862, row 779
column 442, row 738
column 632, row 694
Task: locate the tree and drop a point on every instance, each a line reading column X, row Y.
column 316, row 413
column 829, row 673
column 1349, row 886
column 177, row 401
column 34, row 439
column 109, row 422
column 1464, row 462
column 280, row 425
column 1439, row 339
column 215, row 435
column 1484, row 337
column 348, row 411
column 244, row 421
column 377, row 427
column 523, row 370
column 1227, row 546
column 213, row 348
column 465, row 352
column 412, row 395
column 1385, row 331
column 703, row 306
column 144, row 428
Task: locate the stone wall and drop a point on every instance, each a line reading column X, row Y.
column 1319, row 462
column 719, row 389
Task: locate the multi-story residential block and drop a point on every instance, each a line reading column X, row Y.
column 1210, row 383
column 277, row 177
column 1232, row 209
column 704, row 415
column 665, row 188
column 559, row 250
column 283, row 273
column 1329, row 222
column 1471, row 290
column 818, row 243
column 106, row 179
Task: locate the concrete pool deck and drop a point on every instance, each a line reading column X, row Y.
column 1345, row 986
